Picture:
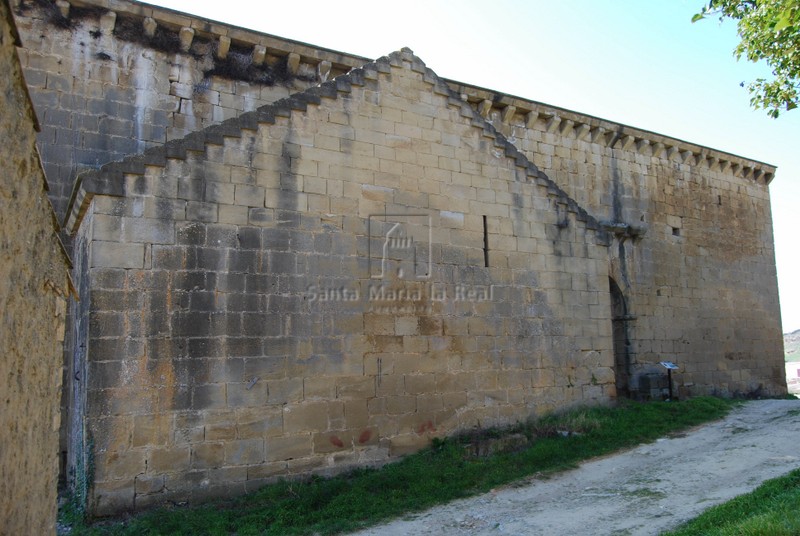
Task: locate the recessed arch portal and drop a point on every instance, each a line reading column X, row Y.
column 622, row 354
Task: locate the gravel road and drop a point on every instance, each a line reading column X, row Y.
column 643, row 491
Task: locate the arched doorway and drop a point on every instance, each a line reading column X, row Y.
column 622, row 353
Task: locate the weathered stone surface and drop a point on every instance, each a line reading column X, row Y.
column 347, row 342
column 327, row 281
column 146, row 99
column 33, row 293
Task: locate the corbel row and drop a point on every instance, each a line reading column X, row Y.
column 186, row 36
column 619, row 139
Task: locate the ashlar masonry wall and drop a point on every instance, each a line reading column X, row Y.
column 329, row 282
column 693, row 249
column 217, row 259
column 112, row 79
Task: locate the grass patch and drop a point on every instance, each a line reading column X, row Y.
column 772, row 509
column 439, row 474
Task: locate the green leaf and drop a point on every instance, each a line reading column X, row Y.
column 698, row 17
column 784, row 22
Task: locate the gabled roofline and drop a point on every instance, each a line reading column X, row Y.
column 110, row 178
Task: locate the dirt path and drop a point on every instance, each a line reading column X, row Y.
column 643, row 491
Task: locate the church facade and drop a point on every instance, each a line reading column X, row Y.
column 292, row 260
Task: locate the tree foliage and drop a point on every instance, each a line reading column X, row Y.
column 770, row 31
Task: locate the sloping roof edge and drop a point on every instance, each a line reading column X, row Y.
column 110, row 180
column 557, row 116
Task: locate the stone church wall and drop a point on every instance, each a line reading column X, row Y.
column 693, row 251
column 104, row 88
column 248, row 321
column 34, row 287
column 217, row 335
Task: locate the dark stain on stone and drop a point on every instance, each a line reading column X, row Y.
column 54, row 16
column 616, row 192
column 429, row 325
column 287, row 195
column 165, row 40
column 238, row 65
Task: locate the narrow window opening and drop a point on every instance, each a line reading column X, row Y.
column 485, row 243
column 676, row 231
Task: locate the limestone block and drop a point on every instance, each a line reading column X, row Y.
column 407, row 444
column 147, row 484
column 508, row 114
column 113, row 496
column 118, row 255
column 323, row 70
column 675, row 222
column 359, row 387
column 244, row 452
column 289, row 447
column 485, row 108
column 107, row 22
column 327, row 442
column 400, row 405
column 553, row 124
column 223, row 45
column 220, row 431
column 259, row 54
column 207, row 455
column 186, row 36
column 63, row 8
column 149, row 25
column 626, row 142
column 307, row 417
column 293, row 63
column 168, row 459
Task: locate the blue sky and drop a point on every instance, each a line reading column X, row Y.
column 641, row 63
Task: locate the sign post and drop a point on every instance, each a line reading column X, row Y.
column 670, row 366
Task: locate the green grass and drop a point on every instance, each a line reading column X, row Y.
column 436, row 475
column 772, row 509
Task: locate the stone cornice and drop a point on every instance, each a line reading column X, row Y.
column 609, row 133
column 188, row 26
column 330, row 63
